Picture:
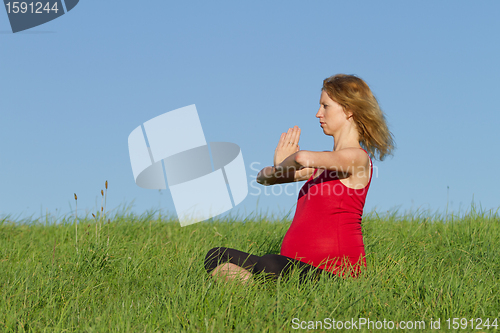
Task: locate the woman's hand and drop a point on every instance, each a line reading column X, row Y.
column 288, row 145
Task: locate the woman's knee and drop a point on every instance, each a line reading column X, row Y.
column 214, row 257
column 220, row 255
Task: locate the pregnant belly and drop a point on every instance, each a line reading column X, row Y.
column 325, row 244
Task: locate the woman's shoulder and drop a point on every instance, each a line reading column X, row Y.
column 357, row 155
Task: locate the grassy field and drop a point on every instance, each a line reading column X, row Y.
column 145, row 274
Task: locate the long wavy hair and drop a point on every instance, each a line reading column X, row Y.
column 354, row 95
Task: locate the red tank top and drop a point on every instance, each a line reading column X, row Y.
column 326, row 229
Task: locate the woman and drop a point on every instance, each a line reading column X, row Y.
column 325, row 234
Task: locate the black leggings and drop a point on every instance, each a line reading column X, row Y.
column 273, row 264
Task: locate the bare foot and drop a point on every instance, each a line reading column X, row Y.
column 229, row 272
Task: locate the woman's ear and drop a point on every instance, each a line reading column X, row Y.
column 348, row 114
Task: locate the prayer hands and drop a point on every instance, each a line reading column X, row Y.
column 288, row 145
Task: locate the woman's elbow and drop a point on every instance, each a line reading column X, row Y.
column 262, row 182
column 263, row 178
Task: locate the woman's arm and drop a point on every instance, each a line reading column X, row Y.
column 301, row 165
column 347, row 161
column 286, row 172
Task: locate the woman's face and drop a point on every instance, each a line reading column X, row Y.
column 331, row 115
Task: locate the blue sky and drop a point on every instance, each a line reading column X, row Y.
column 74, row 88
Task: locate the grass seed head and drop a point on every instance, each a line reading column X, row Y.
column 102, row 192
column 76, row 198
column 106, row 184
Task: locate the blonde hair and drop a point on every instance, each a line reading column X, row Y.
column 354, row 95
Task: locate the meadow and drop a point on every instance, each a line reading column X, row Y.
column 130, row 273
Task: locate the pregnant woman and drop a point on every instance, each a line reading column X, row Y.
column 325, row 234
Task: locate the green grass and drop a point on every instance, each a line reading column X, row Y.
column 149, row 277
